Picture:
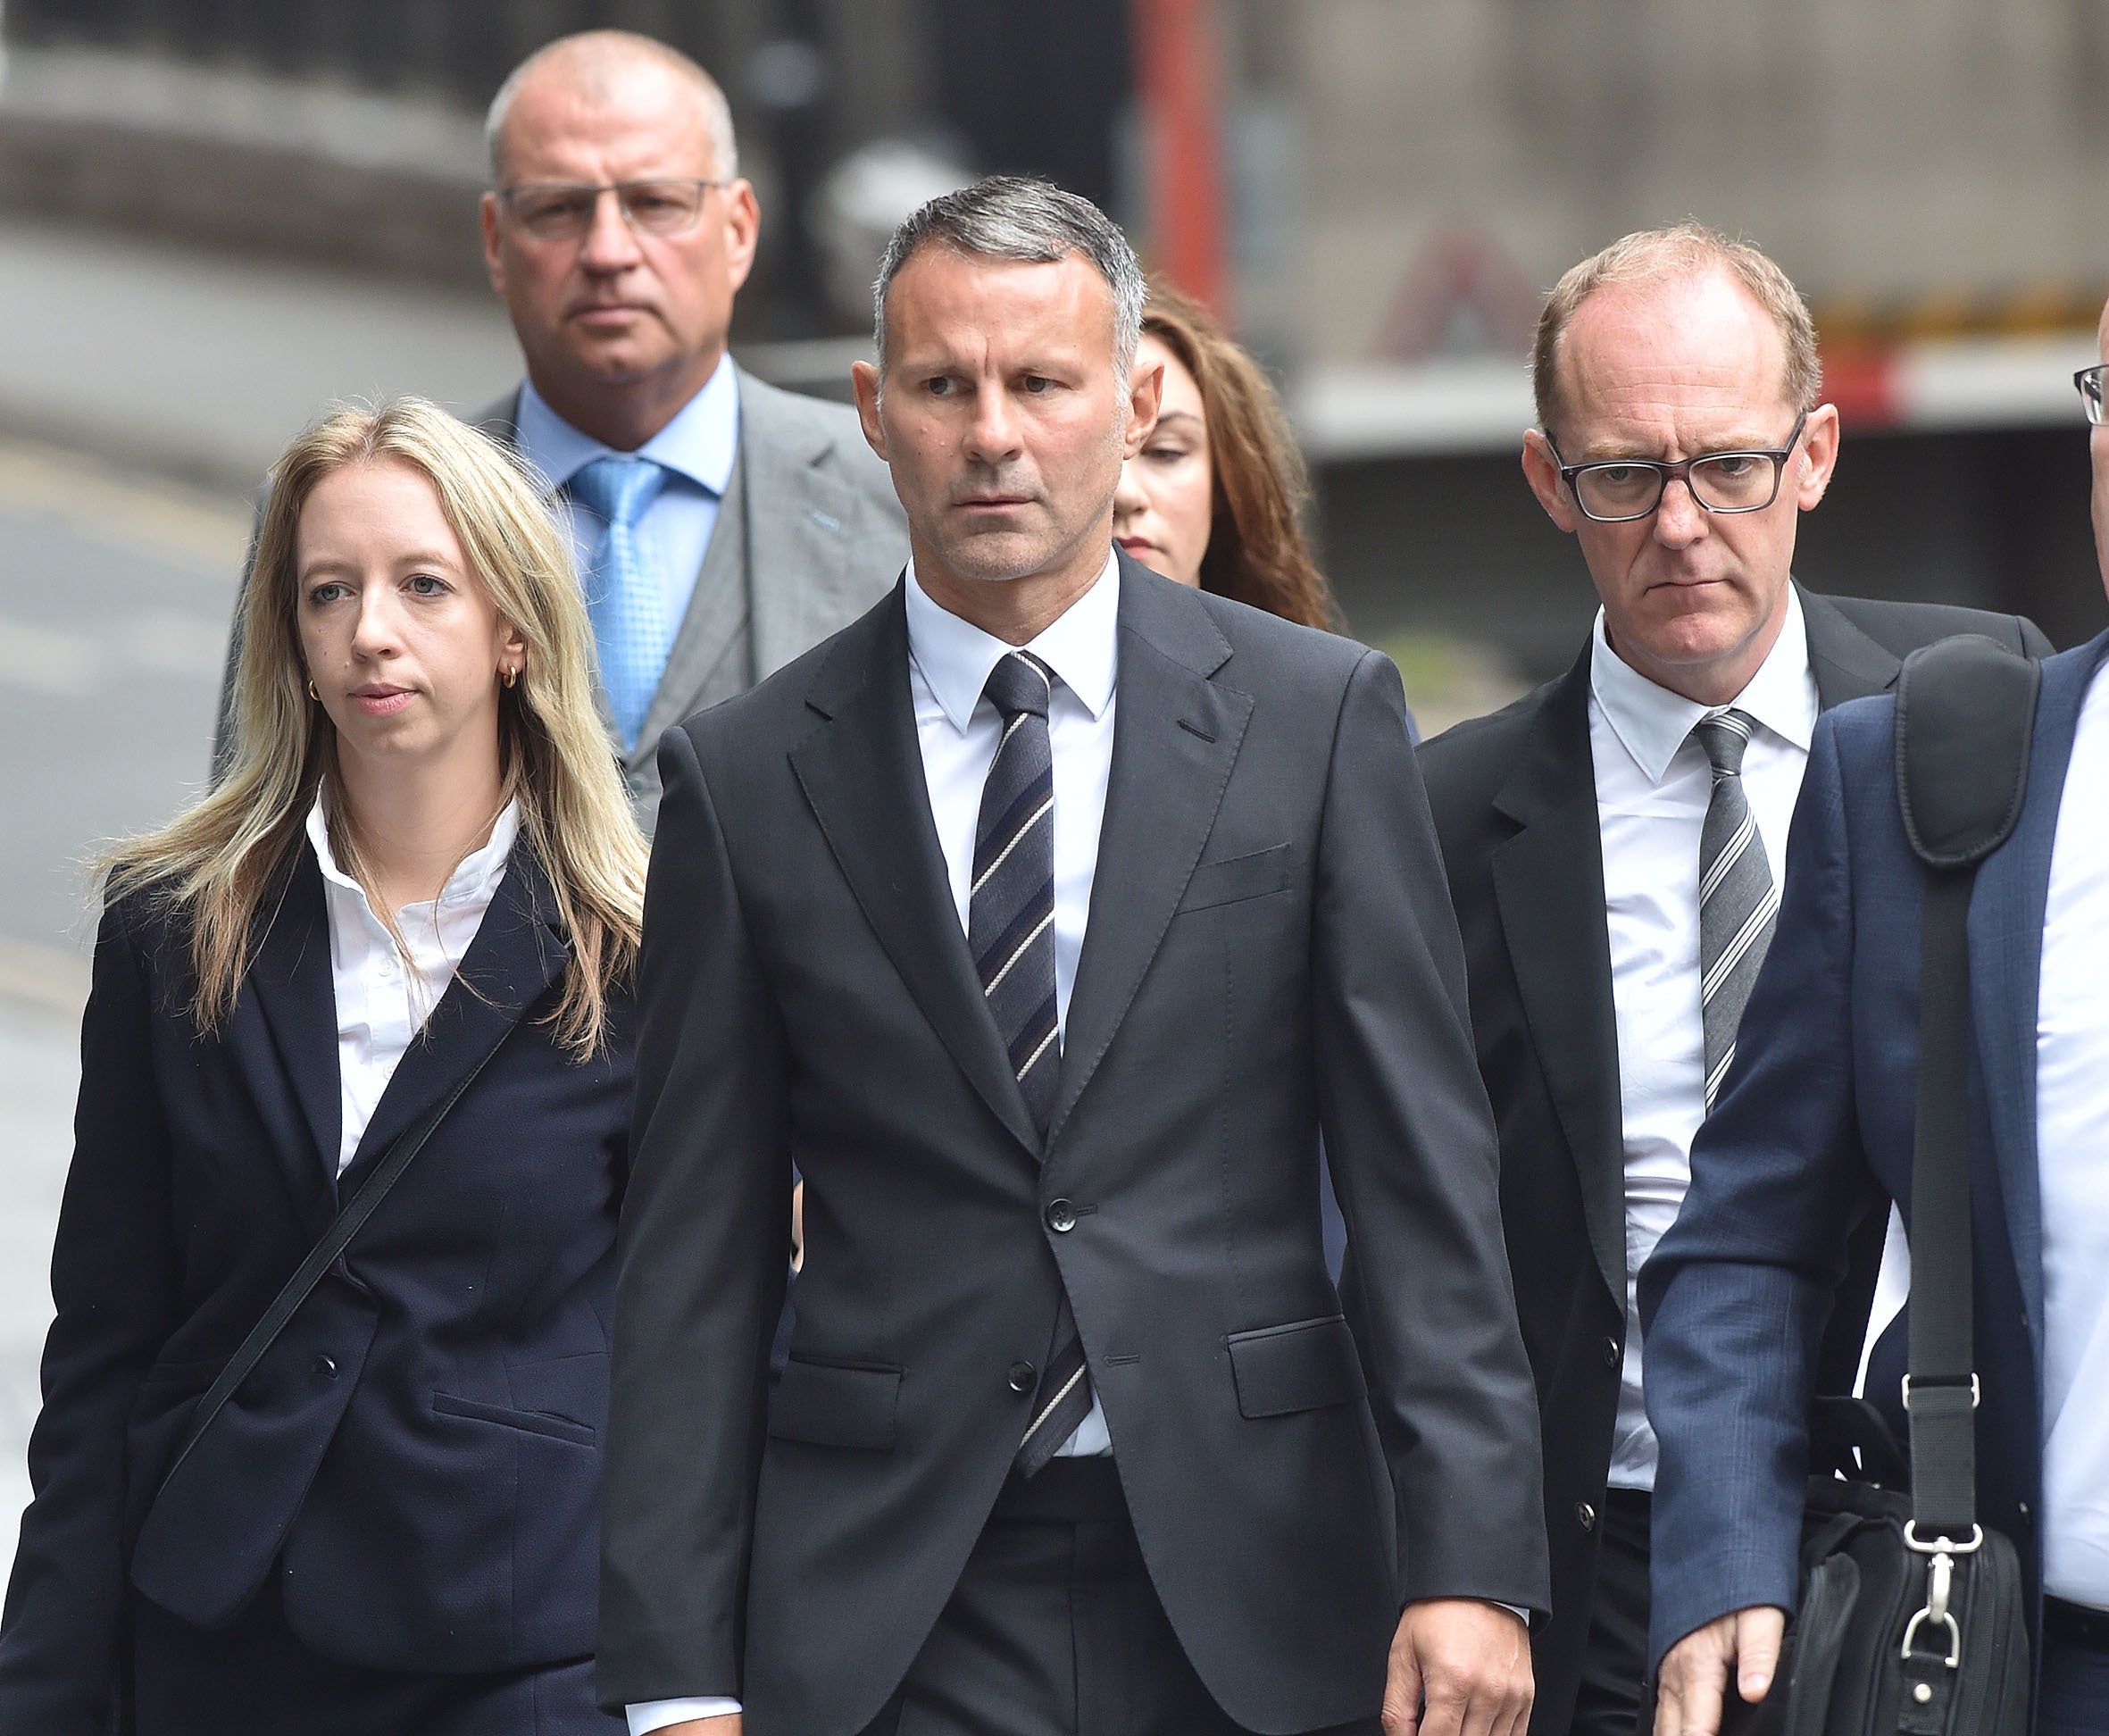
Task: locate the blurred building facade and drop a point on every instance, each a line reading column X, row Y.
column 1398, row 181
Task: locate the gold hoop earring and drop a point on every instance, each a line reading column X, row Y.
column 311, row 690
column 509, row 675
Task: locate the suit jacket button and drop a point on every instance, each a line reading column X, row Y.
column 1612, row 1355
column 1585, row 1515
column 1023, row 1376
column 326, row 1365
column 1062, row 1217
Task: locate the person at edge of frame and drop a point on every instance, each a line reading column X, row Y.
column 1811, row 1118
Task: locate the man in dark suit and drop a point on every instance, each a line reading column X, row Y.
column 1822, row 1113
column 722, row 526
column 1076, row 1433
column 1681, row 437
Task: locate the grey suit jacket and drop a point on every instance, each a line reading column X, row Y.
column 811, row 513
column 1270, row 954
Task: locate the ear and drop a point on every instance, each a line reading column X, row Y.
column 743, row 231
column 863, row 380
column 1145, row 397
column 494, row 262
column 512, row 644
column 1809, row 471
column 1541, row 470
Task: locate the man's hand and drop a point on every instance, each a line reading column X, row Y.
column 1459, row 1667
column 1695, row 1674
column 725, row 1726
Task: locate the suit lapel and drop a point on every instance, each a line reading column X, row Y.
column 1847, row 663
column 2006, row 913
column 862, row 773
column 516, row 955
column 1176, row 734
column 290, row 982
column 798, row 519
column 1548, row 886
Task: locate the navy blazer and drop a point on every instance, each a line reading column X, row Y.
column 417, row 1459
column 1820, row 1096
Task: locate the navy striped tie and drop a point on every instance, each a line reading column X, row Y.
column 1011, row 932
column 1738, row 904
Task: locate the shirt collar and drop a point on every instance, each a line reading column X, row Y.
column 1652, row 723
column 1079, row 645
column 700, row 443
column 478, row 873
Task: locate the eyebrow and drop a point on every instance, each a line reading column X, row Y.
column 1179, row 416
column 1612, row 452
column 420, row 558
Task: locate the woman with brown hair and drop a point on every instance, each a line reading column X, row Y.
column 320, row 1451
column 1212, row 497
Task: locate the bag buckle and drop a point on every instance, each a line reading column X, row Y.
column 1940, row 1579
column 1977, row 1392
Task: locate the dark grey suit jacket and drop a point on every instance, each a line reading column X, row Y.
column 1514, row 801
column 1271, row 954
column 811, row 514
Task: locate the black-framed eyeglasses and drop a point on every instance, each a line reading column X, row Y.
column 563, row 211
column 2089, row 382
column 1618, row 490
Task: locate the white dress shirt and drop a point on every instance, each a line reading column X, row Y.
column 949, row 663
column 1652, row 786
column 2073, row 1168
column 383, row 998
column 697, row 447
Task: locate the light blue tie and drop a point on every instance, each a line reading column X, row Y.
column 626, row 604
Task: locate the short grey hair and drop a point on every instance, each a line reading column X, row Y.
column 597, row 55
column 1033, row 223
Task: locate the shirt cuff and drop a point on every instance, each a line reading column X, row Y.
column 656, row 1714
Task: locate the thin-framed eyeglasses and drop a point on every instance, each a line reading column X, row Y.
column 2089, row 382
column 1618, row 490
column 563, row 211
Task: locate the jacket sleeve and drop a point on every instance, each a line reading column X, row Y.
column 704, row 1225
column 1412, row 1145
column 113, row 1279
column 1734, row 1300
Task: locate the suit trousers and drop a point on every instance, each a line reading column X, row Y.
column 1608, row 1701
column 257, row 1677
column 2073, row 1697
column 1054, row 1630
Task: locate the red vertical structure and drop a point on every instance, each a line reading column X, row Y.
column 1179, row 85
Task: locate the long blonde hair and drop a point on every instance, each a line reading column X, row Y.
column 216, row 865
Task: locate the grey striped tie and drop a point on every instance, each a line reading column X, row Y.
column 1738, row 902
column 1011, row 932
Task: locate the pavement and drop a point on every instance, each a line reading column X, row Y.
column 114, row 594
column 202, row 366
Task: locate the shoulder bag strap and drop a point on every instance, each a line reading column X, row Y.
column 1965, row 712
column 343, row 1227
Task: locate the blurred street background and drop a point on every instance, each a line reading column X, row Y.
column 218, row 217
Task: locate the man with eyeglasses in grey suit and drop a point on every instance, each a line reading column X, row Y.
column 722, row 526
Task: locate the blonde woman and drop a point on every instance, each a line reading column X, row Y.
column 407, row 918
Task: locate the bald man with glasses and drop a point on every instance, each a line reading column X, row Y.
column 722, row 526
column 1614, row 841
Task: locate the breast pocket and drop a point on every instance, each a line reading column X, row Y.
column 1303, row 1365
column 836, row 1403
column 1234, row 878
